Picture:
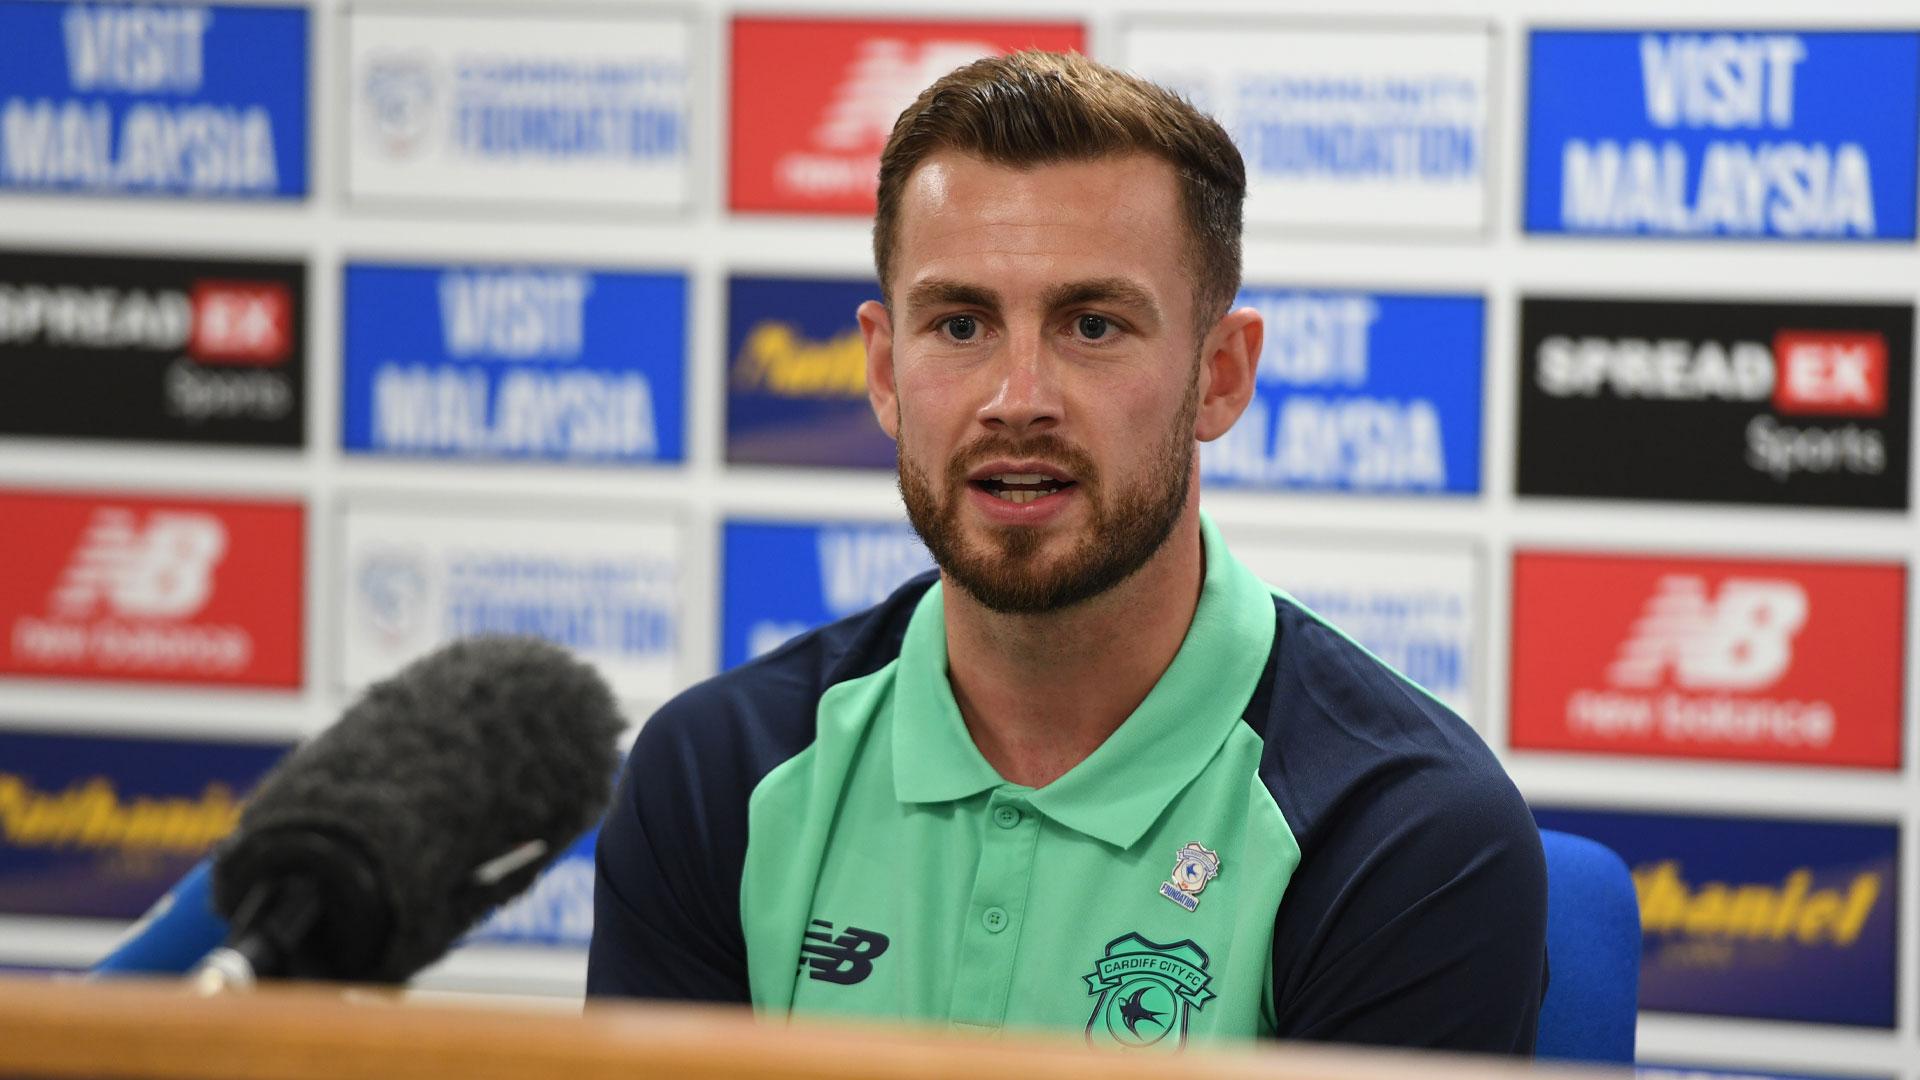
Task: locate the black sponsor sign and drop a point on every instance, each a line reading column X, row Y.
column 139, row 348
column 1791, row 404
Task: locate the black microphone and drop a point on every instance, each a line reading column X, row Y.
column 438, row 795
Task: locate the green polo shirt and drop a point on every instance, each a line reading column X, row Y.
column 1284, row 838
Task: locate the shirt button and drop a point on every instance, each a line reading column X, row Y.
column 1006, row 817
column 995, row 920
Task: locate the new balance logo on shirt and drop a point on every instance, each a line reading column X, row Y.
column 845, row 959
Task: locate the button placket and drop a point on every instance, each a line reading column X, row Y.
column 990, row 938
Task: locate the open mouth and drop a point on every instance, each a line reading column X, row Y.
column 1021, row 487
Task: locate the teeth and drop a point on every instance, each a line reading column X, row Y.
column 1022, row 477
column 1023, row 496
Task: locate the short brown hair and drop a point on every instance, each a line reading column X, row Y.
column 1040, row 108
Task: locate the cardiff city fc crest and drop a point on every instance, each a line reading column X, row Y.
column 1193, row 867
column 1147, row 992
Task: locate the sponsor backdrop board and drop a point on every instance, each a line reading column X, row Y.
column 99, row 827
column 1722, row 132
column 545, row 363
column 580, row 277
column 1362, row 392
column 153, row 99
column 785, row 578
column 1416, row 608
column 1758, row 661
column 608, row 588
column 1750, row 917
column 120, row 347
column 1341, row 126
column 813, row 99
column 797, row 375
column 1769, row 403
column 560, row 110
column 167, row 590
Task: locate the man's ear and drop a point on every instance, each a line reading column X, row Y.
column 876, row 329
column 1228, row 359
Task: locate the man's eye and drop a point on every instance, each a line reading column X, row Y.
column 962, row 327
column 1093, row 327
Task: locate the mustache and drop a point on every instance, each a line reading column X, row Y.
column 1045, row 447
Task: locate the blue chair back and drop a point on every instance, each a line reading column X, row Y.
column 1593, row 953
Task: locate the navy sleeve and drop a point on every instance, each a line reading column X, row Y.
column 666, row 888
column 1417, row 915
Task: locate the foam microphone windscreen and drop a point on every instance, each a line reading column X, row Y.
column 465, row 756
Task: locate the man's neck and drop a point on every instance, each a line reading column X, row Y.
column 1041, row 692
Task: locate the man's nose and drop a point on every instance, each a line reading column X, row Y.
column 1026, row 394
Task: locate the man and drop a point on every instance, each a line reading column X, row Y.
column 1095, row 776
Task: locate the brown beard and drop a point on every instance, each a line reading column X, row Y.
column 1005, row 574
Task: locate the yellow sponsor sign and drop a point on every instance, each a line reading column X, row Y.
column 91, row 815
column 778, row 359
column 1790, row 911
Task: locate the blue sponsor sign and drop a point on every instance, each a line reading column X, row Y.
column 785, row 579
column 1364, row 392
column 153, row 99
column 1750, row 133
column 556, row 910
column 797, row 375
column 102, row 827
column 1690, row 1072
column 544, row 363
column 1777, row 920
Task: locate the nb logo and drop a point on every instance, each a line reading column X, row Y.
column 1741, row 639
column 162, row 570
column 846, row 958
column 885, row 76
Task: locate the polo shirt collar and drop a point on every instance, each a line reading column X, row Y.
column 1117, row 793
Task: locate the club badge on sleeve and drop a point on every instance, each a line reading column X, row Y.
column 1195, row 866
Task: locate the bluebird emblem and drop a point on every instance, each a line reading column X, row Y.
column 1193, row 867
column 1148, row 992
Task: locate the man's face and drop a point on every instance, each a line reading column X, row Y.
column 1040, row 356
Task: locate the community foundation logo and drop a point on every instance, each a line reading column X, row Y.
column 1790, row 404
column 1341, row 127
column 561, row 108
column 814, row 99
column 607, row 589
column 401, row 92
column 1756, row 661
column 1416, row 607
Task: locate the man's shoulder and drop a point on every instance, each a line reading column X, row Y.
column 1417, row 913
column 1349, row 738
column 765, row 711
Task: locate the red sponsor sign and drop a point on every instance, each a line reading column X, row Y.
column 108, row 587
column 1830, row 373
column 1754, row 661
column 814, row 99
column 242, row 322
